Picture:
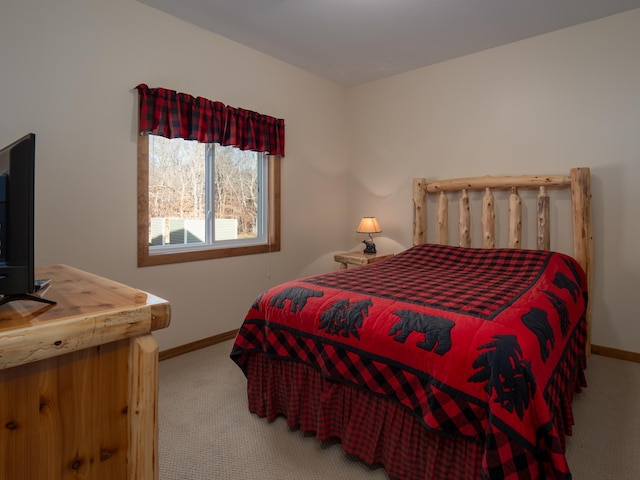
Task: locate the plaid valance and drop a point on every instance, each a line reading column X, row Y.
column 170, row 114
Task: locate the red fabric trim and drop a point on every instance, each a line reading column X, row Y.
column 170, row 114
column 378, row 431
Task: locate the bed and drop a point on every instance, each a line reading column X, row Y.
column 442, row 362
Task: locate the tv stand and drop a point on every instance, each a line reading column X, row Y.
column 79, row 381
column 25, row 296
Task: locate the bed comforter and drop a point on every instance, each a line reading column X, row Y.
column 482, row 344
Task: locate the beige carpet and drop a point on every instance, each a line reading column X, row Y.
column 207, row 432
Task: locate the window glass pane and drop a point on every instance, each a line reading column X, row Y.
column 237, row 202
column 177, row 200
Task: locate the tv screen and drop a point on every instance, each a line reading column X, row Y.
column 17, row 165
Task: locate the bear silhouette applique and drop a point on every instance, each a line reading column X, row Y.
column 574, row 271
column 563, row 312
column 562, row 281
column 297, row 295
column 436, row 330
column 344, row 317
column 536, row 320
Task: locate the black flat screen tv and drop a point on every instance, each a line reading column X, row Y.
column 17, row 166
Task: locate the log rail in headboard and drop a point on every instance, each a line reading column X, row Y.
column 578, row 180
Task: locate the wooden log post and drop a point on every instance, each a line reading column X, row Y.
column 419, row 211
column 443, row 219
column 544, row 239
column 488, row 220
column 583, row 231
column 465, row 220
column 515, row 219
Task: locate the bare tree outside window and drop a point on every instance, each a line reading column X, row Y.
column 178, row 186
column 236, row 188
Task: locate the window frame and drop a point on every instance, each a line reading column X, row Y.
column 146, row 258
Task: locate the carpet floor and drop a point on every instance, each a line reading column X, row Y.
column 207, row 432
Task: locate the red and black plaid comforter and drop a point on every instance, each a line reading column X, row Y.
column 484, row 344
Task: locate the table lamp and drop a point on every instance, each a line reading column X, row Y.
column 369, row 225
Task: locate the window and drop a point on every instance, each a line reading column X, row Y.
column 199, row 201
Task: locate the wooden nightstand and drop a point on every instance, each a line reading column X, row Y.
column 359, row 258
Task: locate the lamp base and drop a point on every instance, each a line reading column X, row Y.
column 370, row 247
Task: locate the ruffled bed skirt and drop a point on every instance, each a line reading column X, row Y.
column 385, row 433
column 376, row 430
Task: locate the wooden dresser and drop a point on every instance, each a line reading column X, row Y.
column 79, row 381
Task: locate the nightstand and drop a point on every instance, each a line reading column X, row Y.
column 359, row 258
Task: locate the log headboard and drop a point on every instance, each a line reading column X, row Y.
column 578, row 181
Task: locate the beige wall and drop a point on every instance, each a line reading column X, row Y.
column 543, row 105
column 67, row 73
column 569, row 98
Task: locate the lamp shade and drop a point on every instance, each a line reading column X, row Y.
column 369, row 225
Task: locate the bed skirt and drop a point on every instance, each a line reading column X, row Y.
column 376, row 430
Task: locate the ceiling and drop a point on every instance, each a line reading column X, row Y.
column 351, row 42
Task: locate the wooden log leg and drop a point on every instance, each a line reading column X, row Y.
column 143, row 409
